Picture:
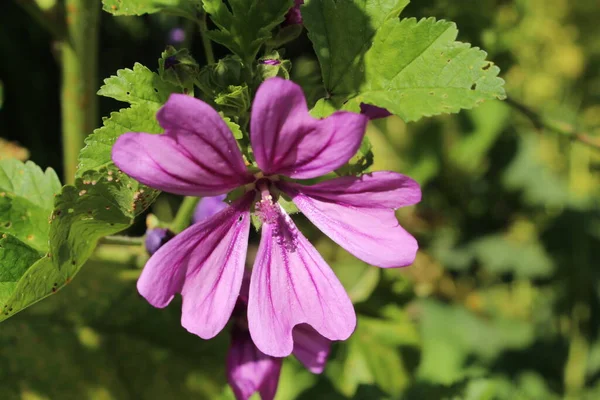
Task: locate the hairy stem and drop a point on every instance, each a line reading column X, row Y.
column 79, row 72
column 184, row 214
column 208, row 51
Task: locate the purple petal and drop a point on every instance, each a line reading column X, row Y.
column 249, row 370
column 291, row 284
column 310, row 348
column 294, row 17
column 373, row 112
column 287, row 140
column 196, row 156
column 207, row 207
column 358, row 214
column 156, row 238
column 205, row 263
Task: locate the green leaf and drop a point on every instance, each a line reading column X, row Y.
column 26, row 201
column 15, row 259
column 97, row 152
column 183, row 8
column 371, row 356
column 244, row 25
column 100, row 340
column 235, row 128
column 138, row 86
column 100, row 203
column 328, row 23
column 412, row 68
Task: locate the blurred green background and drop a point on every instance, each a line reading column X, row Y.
column 502, row 301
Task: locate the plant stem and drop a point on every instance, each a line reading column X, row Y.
column 208, row 51
column 123, row 240
column 561, row 128
column 79, row 73
column 184, row 214
column 117, row 254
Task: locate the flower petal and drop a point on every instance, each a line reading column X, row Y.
column 310, row 348
column 207, row 207
column 291, row 284
column 205, row 263
column 287, row 140
column 196, row 156
column 358, row 214
column 249, row 370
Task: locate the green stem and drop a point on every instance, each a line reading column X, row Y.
column 123, row 240
column 184, row 214
column 575, row 369
column 79, row 73
column 117, row 254
column 560, row 128
column 208, row 51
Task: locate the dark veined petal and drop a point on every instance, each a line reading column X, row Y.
column 310, row 348
column 286, row 140
column 196, row 156
column 205, row 263
column 358, row 214
column 291, row 284
column 249, row 370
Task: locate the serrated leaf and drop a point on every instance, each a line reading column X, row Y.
column 26, row 201
column 138, row 86
column 244, row 25
column 328, row 23
column 411, row 68
column 235, row 128
column 183, row 8
column 97, row 152
column 100, row 203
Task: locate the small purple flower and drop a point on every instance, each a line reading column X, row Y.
column 249, row 370
column 291, row 284
column 373, row 112
column 176, row 36
column 156, row 238
column 294, row 16
column 269, row 61
column 207, row 207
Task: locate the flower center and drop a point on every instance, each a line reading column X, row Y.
column 266, row 209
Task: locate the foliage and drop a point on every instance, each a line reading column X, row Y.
column 502, row 301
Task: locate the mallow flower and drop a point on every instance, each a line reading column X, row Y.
column 249, row 370
column 290, row 284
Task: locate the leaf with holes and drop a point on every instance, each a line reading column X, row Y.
column 411, row 68
column 190, row 9
column 100, row 203
column 26, row 201
column 244, row 25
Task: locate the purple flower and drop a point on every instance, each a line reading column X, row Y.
column 156, row 238
column 294, row 16
column 270, row 61
column 249, row 370
column 373, row 112
column 291, row 284
column 176, row 36
column 207, row 207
